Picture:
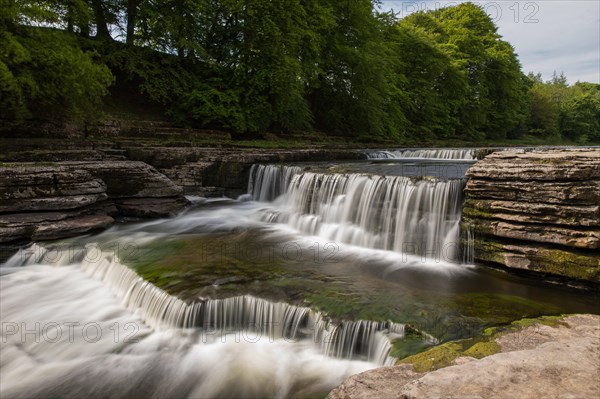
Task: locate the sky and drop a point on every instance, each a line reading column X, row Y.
column 548, row 35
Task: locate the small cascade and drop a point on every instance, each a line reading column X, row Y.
column 361, row 339
column 468, row 244
column 393, row 213
column 268, row 182
column 345, row 339
column 439, row 153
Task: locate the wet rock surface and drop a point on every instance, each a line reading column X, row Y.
column 537, row 210
column 536, row 361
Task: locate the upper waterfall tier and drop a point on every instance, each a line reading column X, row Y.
column 394, row 213
column 441, row 153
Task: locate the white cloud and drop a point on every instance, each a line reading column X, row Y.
column 547, row 35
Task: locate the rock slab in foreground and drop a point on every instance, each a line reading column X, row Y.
column 537, row 362
column 536, row 210
column 43, row 201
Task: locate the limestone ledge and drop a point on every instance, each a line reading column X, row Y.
column 41, row 201
column 536, row 210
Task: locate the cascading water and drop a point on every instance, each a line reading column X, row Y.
column 268, row 182
column 88, row 324
column 75, row 340
column 363, row 339
column 440, row 153
column 397, row 213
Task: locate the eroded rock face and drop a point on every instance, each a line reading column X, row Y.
column 538, row 361
column 537, row 210
column 42, row 201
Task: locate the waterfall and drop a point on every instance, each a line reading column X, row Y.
column 345, row 339
column 468, row 244
column 396, row 213
column 440, row 153
column 268, row 182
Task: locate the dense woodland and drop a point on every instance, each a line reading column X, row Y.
column 337, row 66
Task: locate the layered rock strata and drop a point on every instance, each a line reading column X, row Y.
column 40, row 201
column 225, row 171
column 536, row 210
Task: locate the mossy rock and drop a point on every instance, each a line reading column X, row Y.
column 435, row 358
column 496, row 309
column 480, row 346
column 565, row 263
column 482, row 349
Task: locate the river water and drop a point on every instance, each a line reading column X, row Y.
column 321, row 271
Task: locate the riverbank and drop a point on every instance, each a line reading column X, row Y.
column 547, row 357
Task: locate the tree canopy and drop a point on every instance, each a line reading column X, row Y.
column 340, row 66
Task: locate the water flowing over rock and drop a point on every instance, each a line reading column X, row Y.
column 537, row 210
column 396, row 213
column 268, row 182
column 343, row 339
column 441, row 153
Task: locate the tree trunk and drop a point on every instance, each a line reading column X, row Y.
column 69, row 18
column 132, row 12
column 100, row 16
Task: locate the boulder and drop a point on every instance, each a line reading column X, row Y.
column 47, row 187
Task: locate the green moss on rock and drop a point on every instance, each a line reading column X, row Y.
column 435, row 358
column 482, row 349
column 483, row 345
column 565, row 263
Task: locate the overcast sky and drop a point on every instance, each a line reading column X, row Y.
column 547, row 35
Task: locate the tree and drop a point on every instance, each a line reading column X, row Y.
column 43, row 72
column 433, row 86
column 355, row 89
column 580, row 115
column 497, row 89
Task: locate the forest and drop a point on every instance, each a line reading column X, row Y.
column 343, row 67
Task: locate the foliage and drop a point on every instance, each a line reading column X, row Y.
column 338, row 66
column 569, row 111
column 45, row 74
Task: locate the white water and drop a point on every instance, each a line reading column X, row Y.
column 96, row 329
column 158, row 309
column 396, row 213
column 268, row 182
column 87, row 325
column 439, row 153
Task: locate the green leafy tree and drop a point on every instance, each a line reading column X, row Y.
column 580, row 115
column 433, row 84
column 497, row 89
column 356, row 84
column 43, row 72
